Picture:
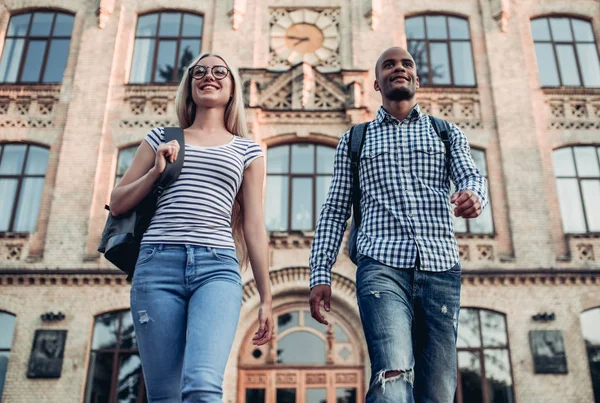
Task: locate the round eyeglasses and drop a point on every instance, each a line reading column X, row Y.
column 218, row 72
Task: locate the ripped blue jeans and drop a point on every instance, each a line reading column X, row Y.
column 185, row 303
column 410, row 321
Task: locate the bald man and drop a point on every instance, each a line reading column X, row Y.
column 408, row 275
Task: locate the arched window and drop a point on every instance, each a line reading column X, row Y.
column 124, row 162
column 7, row 329
column 484, row 224
column 165, row 43
column 577, row 171
column 441, row 47
column 22, row 174
column 484, row 367
column 115, row 370
column 590, row 325
column 305, row 362
column 298, row 179
column 36, row 47
column 566, row 50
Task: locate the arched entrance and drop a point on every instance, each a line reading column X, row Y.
column 305, row 362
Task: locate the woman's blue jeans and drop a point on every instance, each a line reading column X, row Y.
column 185, row 303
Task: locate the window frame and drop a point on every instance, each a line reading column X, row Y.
column 27, row 38
column 588, row 347
column 573, row 43
column 313, row 176
column 117, row 353
column 579, row 180
column 8, row 350
column 468, row 232
column 447, row 41
column 156, row 37
column 20, row 178
column 481, row 354
column 135, row 146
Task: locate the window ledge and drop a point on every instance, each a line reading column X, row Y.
column 14, row 235
column 448, row 88
column 291, row 240
column 467, row 235
column 12, row 89
column 570, row 91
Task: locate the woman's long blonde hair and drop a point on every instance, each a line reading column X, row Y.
column 235, row 122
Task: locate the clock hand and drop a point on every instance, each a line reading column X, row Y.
column 300, row 40
column 297, row 37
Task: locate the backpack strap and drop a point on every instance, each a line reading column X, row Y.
column 356, row 142
column 442, row 128
column 172, row 170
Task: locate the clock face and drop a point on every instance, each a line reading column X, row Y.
column 303, row 38
column 304, row 35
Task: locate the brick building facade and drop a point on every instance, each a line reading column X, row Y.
column 83, row 81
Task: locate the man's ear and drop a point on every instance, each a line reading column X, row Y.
column 418, row 82
column 376, row 86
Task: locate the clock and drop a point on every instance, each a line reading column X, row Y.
column 304, row 35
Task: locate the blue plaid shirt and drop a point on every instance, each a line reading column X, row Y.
column 405, row 202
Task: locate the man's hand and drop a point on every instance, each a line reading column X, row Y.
column 467, row 204
column 321, row 292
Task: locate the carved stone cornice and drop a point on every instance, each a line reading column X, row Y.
column 303, row 87
column 113, row 277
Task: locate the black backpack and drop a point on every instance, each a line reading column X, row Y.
column 356, row 142
column 122, row 235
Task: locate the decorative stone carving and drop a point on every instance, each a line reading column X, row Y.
column 501, row 13
column 570, row 110
column 104, row 11
column 237, row 13
column 585, row 252
column 25, row 107
column 285, row 379
column 316, row 379
column 303, row 88
column 256, row 379
column 485, row 252
column 346, row 378
column 148, row 107
column 461, row 107
column 374, row 13
column 4, row 104
column 463, row 252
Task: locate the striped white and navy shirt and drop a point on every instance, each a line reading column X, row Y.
column 405, row 202
column 196, row 208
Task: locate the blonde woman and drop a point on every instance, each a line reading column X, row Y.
column 187, row 292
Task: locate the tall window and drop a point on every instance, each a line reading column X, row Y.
column 165, row 44
column 22, row 172
column 566, row 52
column 590, row 324
column 124, row 162
column 484, row 366
column 36, row 47
column 309, row 362
column 298, row 179
column 115, row 370
column 7, row 329
column 484, row 224
column 441, row 47
column 577, row 172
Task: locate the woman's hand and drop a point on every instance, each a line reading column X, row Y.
column 265, row 329
column 165, row 151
